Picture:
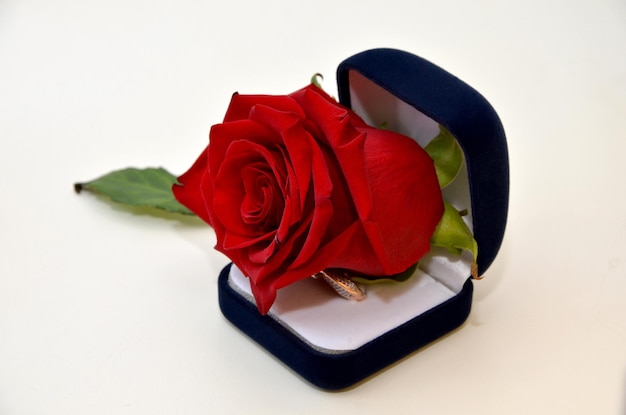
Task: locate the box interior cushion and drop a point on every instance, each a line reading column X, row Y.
column 316, row 314
column 338, row 369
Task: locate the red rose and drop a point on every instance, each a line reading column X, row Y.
column 296, row 184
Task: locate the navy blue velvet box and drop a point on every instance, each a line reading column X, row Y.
column 334, row 343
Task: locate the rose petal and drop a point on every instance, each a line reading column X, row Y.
column 296, row 140
column 223, row 135
column 337, row 126
column 229, row 190
column 190, row 192
column 265, row 291
column 400, row 228
column 241, row 105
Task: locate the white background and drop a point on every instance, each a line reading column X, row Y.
column 109, row 311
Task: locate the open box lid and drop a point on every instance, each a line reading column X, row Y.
column 411, row 96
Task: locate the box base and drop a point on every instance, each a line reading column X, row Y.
column 336, row 370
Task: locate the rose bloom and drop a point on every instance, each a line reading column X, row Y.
column 296, row 184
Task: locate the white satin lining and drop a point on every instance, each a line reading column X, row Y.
column 312, row 310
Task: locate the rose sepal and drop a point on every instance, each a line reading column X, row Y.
column 453, row 234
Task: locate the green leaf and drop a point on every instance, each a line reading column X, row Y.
column 150, row 187
column 401, row 277
column 316, row 80
column 447, row 155
column 453, row 234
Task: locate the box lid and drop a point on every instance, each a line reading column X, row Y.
column 412, row 96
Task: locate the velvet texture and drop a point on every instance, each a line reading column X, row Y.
column 336, row 371
column 472, row 120
column 465, row 113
